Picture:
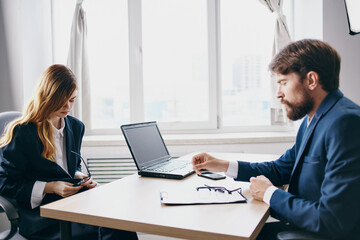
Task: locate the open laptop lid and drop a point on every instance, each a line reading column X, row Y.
column 146, row 144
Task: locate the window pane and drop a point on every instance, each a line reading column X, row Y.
column 247, row 32
column 108, row 55
column 175, row 60
column 62, row 11
column 108, row 51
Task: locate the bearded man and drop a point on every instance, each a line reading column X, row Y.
column 323, row 167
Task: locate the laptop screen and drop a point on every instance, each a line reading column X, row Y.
column 145, row 143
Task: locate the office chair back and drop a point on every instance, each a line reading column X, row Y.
column 5, row 118
column 7, row 205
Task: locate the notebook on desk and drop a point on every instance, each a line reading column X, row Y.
column 150, row 153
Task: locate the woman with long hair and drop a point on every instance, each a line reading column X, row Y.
column 41, row 158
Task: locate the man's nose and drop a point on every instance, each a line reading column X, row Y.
column 279, row 93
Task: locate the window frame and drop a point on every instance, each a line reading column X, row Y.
column 136, row 72
column 136, row 87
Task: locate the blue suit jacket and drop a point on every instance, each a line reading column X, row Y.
column 22, row 165
column 322, row 170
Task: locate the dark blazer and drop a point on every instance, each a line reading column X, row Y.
column 322, row 170
column 22, row 165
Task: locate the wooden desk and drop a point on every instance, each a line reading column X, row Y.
column 133, row 204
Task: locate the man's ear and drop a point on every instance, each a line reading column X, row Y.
column 312, row 80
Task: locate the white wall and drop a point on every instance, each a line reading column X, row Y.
column 327, row 20
column 25, row 49
column 336, row 32
column 308, row 19
column 10, row 56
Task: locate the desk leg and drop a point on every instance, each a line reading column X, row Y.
column 65, row 230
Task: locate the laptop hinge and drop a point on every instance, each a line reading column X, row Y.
column 155, row 162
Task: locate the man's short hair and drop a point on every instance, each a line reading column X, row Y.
column 308, row 55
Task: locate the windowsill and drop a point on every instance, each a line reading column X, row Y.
column 199, row 139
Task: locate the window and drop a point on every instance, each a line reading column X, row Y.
column 175, row 60
column 186, row 64
column 107, row 40
column 246, row 49
column 108, row 45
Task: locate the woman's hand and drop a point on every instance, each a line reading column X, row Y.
column 63, row 189
column 89, row 183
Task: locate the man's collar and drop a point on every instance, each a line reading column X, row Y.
column 328, row 102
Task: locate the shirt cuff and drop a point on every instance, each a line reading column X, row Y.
column 268, row 194
column 81, row 173
column 37, row 194
column 232, row 170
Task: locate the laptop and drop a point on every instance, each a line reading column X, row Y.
column 150, row 153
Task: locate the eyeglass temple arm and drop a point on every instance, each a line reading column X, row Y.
column 83, row 162
column 223, row 188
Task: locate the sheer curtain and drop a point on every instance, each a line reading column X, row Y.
column 78, row 62
column 281, row 39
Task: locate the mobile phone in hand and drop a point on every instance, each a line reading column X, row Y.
column 78, row 183
column 211, row 175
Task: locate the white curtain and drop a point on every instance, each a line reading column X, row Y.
column 281, row 39
column 78, row 63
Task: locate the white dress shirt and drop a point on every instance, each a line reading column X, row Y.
column 37, row 193
column 232, row 172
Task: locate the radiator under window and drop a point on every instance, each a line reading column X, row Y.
column 105, row 170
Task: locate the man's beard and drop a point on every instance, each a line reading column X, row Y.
column 296, row 111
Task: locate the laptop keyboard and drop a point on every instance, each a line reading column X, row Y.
column 171, row 166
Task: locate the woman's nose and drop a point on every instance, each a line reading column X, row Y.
column 67, row 105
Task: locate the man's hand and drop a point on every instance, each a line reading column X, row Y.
column 258, row 186
column 208, row 162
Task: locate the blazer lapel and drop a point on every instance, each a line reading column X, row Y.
column 69, row 136
column 308, row 132
column 324, row 107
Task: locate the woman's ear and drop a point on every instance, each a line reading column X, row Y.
column 312, row 80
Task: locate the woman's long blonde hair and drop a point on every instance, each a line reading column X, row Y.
column 54, row 89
